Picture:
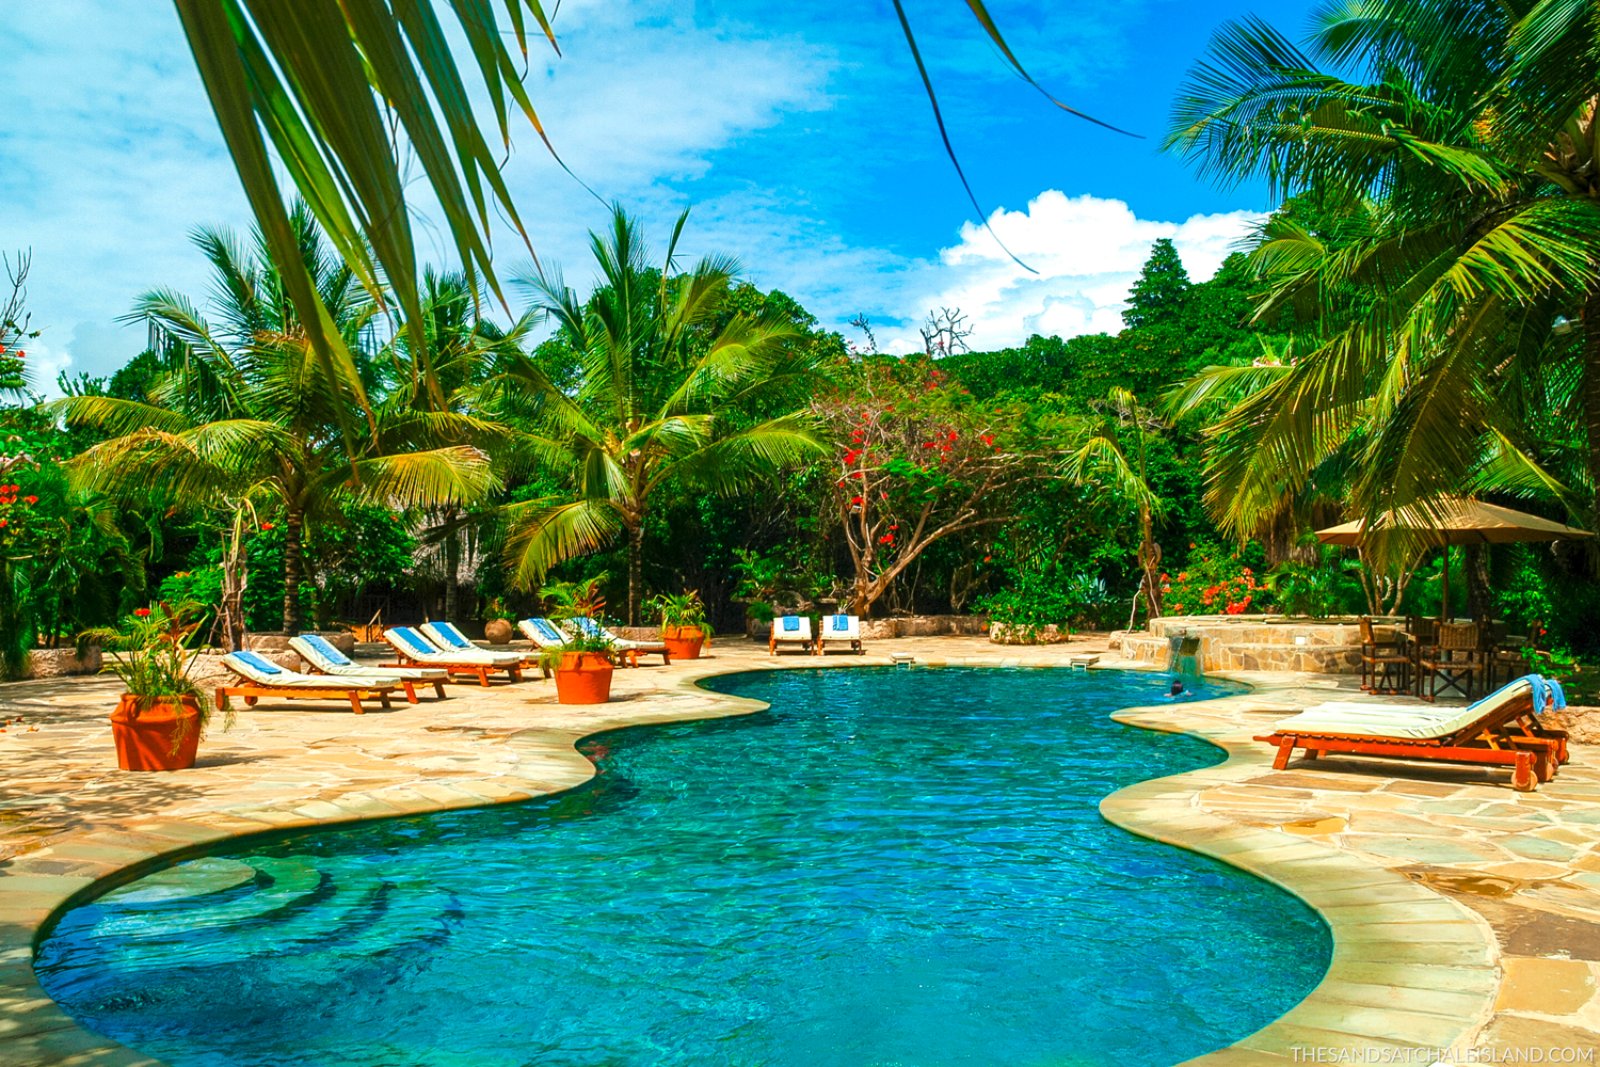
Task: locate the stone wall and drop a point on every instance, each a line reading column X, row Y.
column 54, row 662
column 1250, row 643
column 1007, row 634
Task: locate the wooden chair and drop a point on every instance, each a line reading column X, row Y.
column 1383, row 660
column 1454, row 665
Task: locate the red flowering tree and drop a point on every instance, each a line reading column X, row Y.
column 917, row 461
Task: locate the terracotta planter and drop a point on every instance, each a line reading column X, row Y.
column 583, row 678
column 144, row 738
column 498, row 632
column 683, row 642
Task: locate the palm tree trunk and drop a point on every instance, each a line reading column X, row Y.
column 1591, row 388
column 635, row 570
column 293, row 569
column 452, row 567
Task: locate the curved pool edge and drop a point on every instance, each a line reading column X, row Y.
column 35, row 1031
column 1390, row 933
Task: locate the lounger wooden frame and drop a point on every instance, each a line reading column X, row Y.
column 253, row 691
column 1506, row 736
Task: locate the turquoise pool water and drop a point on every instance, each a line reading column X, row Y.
column 890, row 867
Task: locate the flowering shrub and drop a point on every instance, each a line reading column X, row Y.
column 1213, row 583
column 918, row 461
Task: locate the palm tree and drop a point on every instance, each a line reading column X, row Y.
column 1111, row 453
column 1457, row 173
column 247, row 410
column 465, row 350
column 668, row 392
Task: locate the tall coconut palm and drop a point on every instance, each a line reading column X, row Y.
column 669, row 390
column 1464, row 186
column 247, row 409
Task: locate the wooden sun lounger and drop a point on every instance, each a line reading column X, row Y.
column 442, row 661
column 296, row 686
column 253, row 691
column 1507, row 734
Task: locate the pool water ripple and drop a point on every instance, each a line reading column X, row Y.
column 889, row 867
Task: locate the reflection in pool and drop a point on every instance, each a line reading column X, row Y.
column 890, row 867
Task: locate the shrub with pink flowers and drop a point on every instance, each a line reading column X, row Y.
column 1213, row 582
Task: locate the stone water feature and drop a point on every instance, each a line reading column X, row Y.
column 1246, row 643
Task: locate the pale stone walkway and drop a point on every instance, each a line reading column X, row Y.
column 1464, row 914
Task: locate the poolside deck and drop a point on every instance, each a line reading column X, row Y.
column 1465, row 915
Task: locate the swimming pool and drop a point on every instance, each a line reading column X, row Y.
column 889, row 867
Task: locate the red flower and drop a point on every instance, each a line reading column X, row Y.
column 4, row 523
column 856, row 502
column 987, row 438
column 886, row 539
column 30, row 500
column 859, row 474
column 143, row 613
column 268, row 526
column 951, row 435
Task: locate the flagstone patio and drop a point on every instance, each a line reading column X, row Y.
column 1465, row 915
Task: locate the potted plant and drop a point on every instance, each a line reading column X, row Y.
column 582, row 663
column 162, row 712
column 683, row 624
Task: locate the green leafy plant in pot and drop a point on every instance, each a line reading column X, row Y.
column 162, row 712
column 582, row 663
column 683, row 624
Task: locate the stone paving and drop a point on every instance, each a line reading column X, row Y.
column 1465, row 915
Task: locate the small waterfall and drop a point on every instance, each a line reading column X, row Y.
column 1184, row 657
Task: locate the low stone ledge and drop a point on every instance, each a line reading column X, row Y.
column 56, row 662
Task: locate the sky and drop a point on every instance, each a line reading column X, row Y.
column 797, row 135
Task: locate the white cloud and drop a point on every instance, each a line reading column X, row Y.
column 110, row 156
column 1087, row 252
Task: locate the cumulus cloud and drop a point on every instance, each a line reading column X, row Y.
column 1087, row 252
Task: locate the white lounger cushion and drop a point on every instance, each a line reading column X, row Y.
column 449, row 637
column 841, row 628
column 589, row 627
column 262, row 671
column 321, row 654
column 1395, row 720
column 415, row 646
column 542, row 632
column 799, row 631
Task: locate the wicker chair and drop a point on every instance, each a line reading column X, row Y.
column 1382, row 662
column 1454, row 665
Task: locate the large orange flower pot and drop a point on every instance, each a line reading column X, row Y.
column 683, row 642
column 145, row 738
column 583, row 678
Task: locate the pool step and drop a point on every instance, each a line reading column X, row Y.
column 281, row 885
column 190, row 880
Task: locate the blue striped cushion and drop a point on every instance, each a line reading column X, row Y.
column 452, row 636
column 414, row 640
column 791, row 623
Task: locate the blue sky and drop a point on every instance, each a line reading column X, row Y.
column 797, row 133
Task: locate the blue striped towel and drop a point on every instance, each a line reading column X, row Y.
column 260, row 663
column 791, row 623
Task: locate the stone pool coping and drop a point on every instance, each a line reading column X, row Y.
column 1412, row 966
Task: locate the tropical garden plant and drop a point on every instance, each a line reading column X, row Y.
column 663, row 398
column 1446, row 241
column 245, row 410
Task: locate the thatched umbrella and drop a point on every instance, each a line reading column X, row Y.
column 1456, row 521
